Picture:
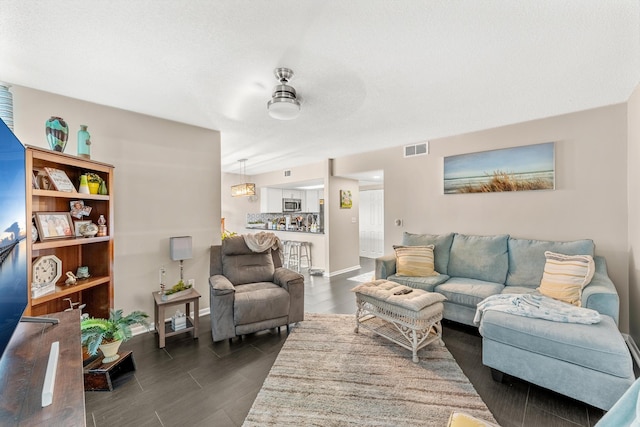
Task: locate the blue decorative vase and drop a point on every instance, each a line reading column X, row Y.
column 57, row 133
column 84, row 142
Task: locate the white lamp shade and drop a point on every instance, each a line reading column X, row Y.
column 284, row 108
column 180, row 248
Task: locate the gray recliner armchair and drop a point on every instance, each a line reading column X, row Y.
column 251, row 291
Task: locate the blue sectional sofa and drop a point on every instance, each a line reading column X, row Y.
column 590, row 363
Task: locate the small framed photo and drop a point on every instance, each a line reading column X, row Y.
column 54, row 225
column 79, row 209
column 78, row 226
column 42, row 180
column 60, row 180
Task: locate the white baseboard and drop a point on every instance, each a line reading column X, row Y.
column 633, row 348
column 139, row 329
column 344, row 270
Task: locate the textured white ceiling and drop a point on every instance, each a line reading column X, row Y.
column 372, row 74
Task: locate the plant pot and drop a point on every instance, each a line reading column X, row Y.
column 94, row 187
column 110, row 351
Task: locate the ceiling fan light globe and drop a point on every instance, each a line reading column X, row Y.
column 283, row 108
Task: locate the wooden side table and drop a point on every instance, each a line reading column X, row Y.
column 163, row 328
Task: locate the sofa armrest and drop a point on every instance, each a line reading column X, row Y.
column 600, row 294
column 385, row 266
column 221, row 299
column 293, row 283
column 285, row 278
column 220, row 285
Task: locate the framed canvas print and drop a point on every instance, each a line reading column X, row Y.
column 525, row 168
column 54, row 225
column 346, row 201
column 60, row 180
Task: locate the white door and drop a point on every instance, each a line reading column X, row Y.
column 372, row 223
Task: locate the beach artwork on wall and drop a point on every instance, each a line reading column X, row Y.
column 526, row 168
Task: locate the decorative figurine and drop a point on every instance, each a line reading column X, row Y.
column 83, row 272
column 162, row 273
column 71, row 280
column 102, row 227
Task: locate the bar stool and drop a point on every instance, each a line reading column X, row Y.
column 286, row 246
column 296, row 253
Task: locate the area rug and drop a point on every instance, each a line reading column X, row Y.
column 364, row 277
column 327, row 375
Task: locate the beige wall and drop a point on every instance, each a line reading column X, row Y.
column 344, row 226
column 590, row 200
column 633, row 121
column 167, row 183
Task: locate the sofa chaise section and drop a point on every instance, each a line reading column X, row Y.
column 590, row 363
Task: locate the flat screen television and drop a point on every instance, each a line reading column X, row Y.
column 13, row 239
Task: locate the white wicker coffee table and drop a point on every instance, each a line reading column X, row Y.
column 410, row 320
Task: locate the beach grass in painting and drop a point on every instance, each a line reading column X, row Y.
column 526, row 168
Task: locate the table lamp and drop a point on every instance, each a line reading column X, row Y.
column 180, row 249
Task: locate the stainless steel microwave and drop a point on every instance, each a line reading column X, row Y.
column 291, row 205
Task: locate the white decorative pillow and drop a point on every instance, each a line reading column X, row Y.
column 415, row 261
column 565, row 276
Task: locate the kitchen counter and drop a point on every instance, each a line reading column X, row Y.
column 257, row 229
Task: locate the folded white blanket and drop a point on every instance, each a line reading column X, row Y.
column 538, row 306
column 260, row 242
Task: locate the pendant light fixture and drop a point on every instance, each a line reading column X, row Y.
column 283, row 104
column 246, row 188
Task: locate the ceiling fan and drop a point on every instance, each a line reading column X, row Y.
column 284, row 104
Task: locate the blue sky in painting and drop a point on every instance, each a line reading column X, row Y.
column 530, row 158
column 12, row 194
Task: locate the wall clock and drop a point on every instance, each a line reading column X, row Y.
column 47, row 269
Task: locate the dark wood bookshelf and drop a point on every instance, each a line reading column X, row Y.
column 22, row 372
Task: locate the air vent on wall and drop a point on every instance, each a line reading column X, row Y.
column 420, row 149
column 287, row 173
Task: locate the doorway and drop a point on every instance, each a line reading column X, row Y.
column 371, row 223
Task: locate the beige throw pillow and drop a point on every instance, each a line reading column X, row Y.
column 415, row 261
column 565, row 276
column 460, row 419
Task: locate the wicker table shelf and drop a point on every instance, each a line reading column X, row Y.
column 412, row 330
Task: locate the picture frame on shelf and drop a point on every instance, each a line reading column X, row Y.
column 54, row 225
column 34, row 180
column 79, row 209
column 60, row 180
column 43, row 182
column 78, row 226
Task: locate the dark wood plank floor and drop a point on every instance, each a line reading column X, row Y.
column 199, row 383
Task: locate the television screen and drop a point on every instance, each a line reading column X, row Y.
column 13, row 242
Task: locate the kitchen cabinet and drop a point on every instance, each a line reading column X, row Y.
column 270, row 200
column 313, row 201
column 288, row 193
column 312, row 198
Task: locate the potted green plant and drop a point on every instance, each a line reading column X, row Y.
column 108, row 334
column 94, row 181
column 227, row 234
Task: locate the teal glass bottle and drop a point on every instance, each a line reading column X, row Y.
column 84, row 142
